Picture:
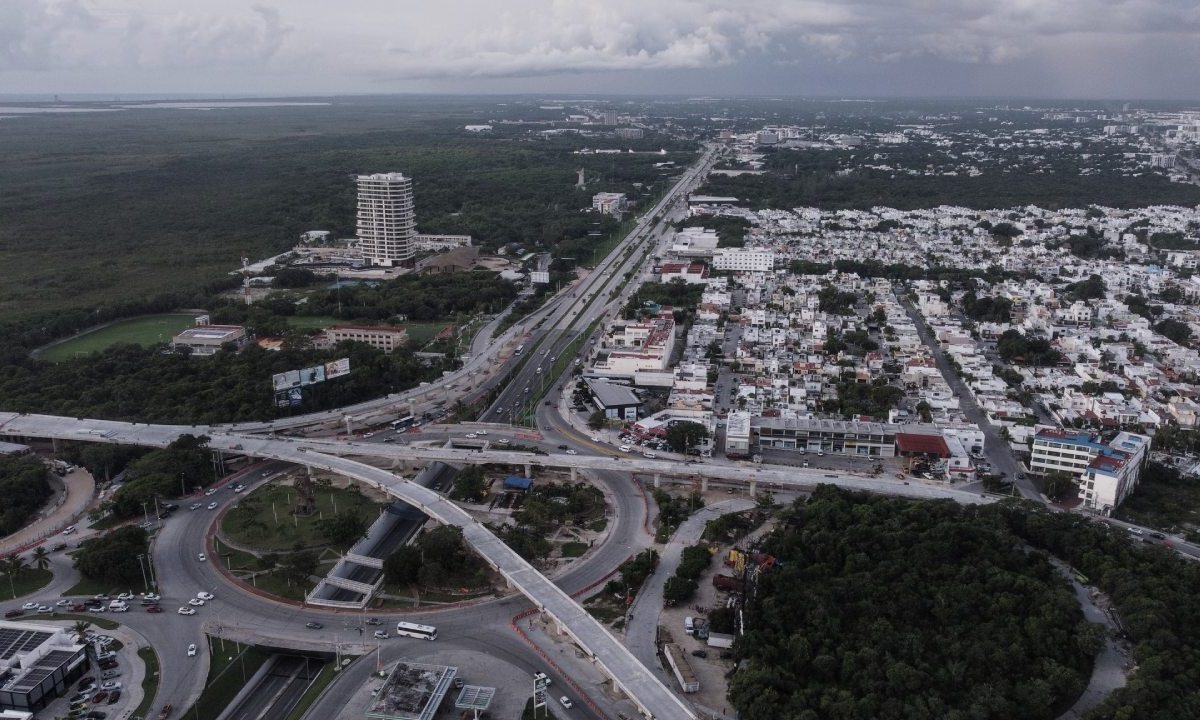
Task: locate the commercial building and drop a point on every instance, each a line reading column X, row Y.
column 869, row 439
column 630, row 133
column 412, row 691
column 37, row 664
column 737, row 434
column 1106, row 473
column 381, row 337
column 633, row 346
column 616, row 401
column 744, row 260
column 610, row 203
column 208, row 339
column 387, row 223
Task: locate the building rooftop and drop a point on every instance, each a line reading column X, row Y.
column 210, row 332
column 610, row 395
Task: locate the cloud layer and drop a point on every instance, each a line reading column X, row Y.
column 380, row 44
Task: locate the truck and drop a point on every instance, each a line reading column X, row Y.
column 728, row 582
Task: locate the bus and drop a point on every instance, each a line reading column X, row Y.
column 520, row 348
column 403, row 423
column 426, row 632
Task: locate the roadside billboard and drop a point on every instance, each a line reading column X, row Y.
column 337, row 368
column 286, row 380
column 312, row 375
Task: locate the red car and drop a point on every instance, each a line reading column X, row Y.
column 153, row 609
column 114, row 696
column 99, row 697
column 13, row 614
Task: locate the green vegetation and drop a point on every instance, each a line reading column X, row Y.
column 672, row 511
column 230, row 667
column 573, row 549
column 889, row 608
column 987, row 309
column 681, row 586
column 149, row 682
column 24, row 488
column 1174, row 330
column 263, row 519
column 1165, row 499
column 873, row 399
column 731, row 526
column 148, row 330
column 1017, row 348
column 20, row 581
column 684, row 436
column 469, row 484
column 173, row 471
column 676, row 294
column 1090, row 289
column 439, row 558
column 545, row 508
column 112, row 558
column 98, row 622
column 127, row 382
column 632, row 573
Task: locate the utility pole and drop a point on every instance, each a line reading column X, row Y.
column 142, row 563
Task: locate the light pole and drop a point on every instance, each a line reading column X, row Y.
column 142, row 563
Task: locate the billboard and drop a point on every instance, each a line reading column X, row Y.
column 312, row 375
column 540, row 277
column 285, row 380
column 337, row 368
column 289, row 398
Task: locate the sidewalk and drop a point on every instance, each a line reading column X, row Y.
column 80, row 487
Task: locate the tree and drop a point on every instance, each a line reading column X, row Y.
column 404, row 565
column 41, row 558
column 343, row 528
column 469, row 484
column 112, row 558
column 597, row 420
column 1174, row 330
column 300, row 565
column 683, row 436
column 1058, row 484
column 925, row 410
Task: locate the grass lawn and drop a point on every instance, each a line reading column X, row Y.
column 98, row 622
column 253, row 522
column 93, row 587
column 27, row 581
column 311, row 322
column 149, row 683
column 418, row 333
column 228, row 671
column 604, row 607
column 235, row 559
column 574, row 549
column 326, row 676
column 145, row 330
column 276, row 583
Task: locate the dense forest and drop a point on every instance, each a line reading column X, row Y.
column 127, row 382
column 886, row 608
column 936, row 567
column 113, row 557
column 24, row 489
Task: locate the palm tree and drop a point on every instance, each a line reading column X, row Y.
column 41, row 558
column 80, row 629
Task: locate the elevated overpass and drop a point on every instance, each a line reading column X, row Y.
column 653, row 699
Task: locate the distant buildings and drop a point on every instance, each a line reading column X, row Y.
column 744, row 260
column 208, row 339
column 609, row 117
column 610, row 203
column 381, row 337
column 629, row 133
column 386, row 220
column 37, row 664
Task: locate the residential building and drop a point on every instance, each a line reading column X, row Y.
column 630, row 133
column 1106, row 473
column 640, row 345
column 381, row 337
column 737, row 434
column 693, row 273
column 387, row 222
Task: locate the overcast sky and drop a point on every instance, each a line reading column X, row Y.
column 1045, row 48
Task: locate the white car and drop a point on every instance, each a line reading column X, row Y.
column 201, row 557
column 212, row 506
column 125, row 597
column 481, row 433
column 195, row 506
column 210, row 491
column 503, row 441
column 196, row 602
column 572, row 452
column 68, row 530
column 649, row 455
column 110, row 686
column 63, row 603
column 238, row 488
column 44, row 609
column 187, row 611
column 625, row 448
column 30, row 606
column 471, row 436
column 192, row 650
column 205, row 595
column 381, row 635
column 152, row 597
column 370, row 434
column 566, row 702
column 594, row 438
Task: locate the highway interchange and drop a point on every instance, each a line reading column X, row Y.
column 547, row 335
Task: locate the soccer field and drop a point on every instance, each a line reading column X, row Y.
column 145, row 330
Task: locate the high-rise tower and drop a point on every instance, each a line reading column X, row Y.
column 386, row 222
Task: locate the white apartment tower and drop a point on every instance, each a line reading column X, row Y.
column 386, row 222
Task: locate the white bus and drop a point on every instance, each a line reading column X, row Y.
column 425, row 632
column 403, row 423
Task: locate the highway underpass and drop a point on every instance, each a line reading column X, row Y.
column 652, row 697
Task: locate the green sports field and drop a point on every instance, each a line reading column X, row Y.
column 145, row 330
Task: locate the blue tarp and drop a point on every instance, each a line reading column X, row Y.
column 516, row 482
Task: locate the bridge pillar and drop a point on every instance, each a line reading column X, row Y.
column 753, row 487
column 704, row 484
column 574, row 474
column 657, row 480
column 528, row 470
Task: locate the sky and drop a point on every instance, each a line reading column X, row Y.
column 1025, row 48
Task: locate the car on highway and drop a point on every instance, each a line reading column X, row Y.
column 205, row 595
column 151, row 597
column 125, row 596
column 187, row 611
column 238, row 488
column 212, row 506
column 381, row 635
column 481, row 433
column 566, row 702
column 201, row 557
column 471, row 436
column 313, row 625
column 29, row 606
column 210, row 491
column 594, row 438
column 192, row 650
column 59, row 546
column 572, row 452
column 44, row 609
column 195, row 506
column 196, row 602
column 503, row 441
column 374, row 621
column 63, row 603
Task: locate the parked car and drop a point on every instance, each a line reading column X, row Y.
column 111, row 685
column 374, row 621
column 13, row 613
column 700, row 653
column 566, row 702
column 114, row 697
column 381, row 635
column 187, row 611
column 100, row 697
column 195, row 602
column 205, row 595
